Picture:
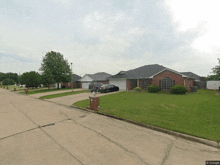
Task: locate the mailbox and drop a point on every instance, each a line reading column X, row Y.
column 94, row 103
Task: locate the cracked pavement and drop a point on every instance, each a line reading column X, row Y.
column 34, row 131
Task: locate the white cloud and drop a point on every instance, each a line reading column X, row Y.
column 202, row 15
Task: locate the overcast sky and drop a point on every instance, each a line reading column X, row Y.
column 110, row 35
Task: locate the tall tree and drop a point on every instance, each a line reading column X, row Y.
column 47, row 78
column 54, row 63
column 31, row 79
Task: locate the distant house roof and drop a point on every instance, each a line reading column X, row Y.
column 191, row 75
column 147, row 71
column 76, row 77
column 100, row 76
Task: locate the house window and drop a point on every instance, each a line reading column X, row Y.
column 167, row 83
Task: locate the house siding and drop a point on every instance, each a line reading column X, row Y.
column 179, row 80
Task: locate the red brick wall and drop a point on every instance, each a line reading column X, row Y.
column 143, row 81
column 188, row 84
column 179, row 80
column 104, row 82
column 73, row 84
column 131, row 84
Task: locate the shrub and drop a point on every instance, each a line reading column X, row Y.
column 178, row 89
column 137, row 89
column 153, row 88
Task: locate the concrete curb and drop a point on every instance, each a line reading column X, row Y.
column 177, row 134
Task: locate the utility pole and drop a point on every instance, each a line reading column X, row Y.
column 71, row 76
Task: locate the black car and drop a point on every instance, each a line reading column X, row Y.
column 95, row 86
column 108, row 88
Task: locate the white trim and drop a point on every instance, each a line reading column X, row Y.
column 168, row 70
column 86, row 78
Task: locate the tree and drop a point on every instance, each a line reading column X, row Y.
column 2, row 76
column 13, row 76
column 47, row 78
column 54, row 64
column 31, row 79
column 8, row 81
column 216, row 69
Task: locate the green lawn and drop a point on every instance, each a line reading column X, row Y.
column 195, row 114
column 63, row 94
column 37, row 90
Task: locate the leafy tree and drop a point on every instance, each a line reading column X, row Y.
column 13, row 76
column 2, row 76
column 31, row 79
column 216, row 69
column 47, row 78
column 8, row 81
column 54, row 64
column 212, row 77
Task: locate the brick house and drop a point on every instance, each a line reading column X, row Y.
column 199, row 81
column 150, row 74
column 75, row 82
column 101, row 77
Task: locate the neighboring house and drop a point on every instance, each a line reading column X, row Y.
column 97, row 77
column 199, row 81
column 150, row 74
column 75, row 82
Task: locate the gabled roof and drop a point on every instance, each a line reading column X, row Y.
column 100, row 76
column 169, row 70
column 147, row 71
column 76, row 77
column 141, row 72
column 191, row 75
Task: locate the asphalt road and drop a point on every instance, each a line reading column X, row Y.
column 34, row 131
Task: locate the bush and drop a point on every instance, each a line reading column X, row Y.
column 178, row 89
column 137, row 89
column 153, row 88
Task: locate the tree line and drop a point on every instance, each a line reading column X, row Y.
column 54, row 69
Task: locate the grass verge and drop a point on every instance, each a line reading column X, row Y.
column 63, row 94
column 195, row 114
column 35, row 91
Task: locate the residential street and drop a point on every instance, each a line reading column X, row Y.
column 34, row 131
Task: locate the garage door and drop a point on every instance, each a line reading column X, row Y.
column 120, row 83
column 85, row 85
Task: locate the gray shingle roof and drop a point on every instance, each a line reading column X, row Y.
column 76, row 77
column 100, row 76
column 141, row 72
column 192, row 75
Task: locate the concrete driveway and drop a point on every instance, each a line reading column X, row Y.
column 69, row 100
column 34, row 131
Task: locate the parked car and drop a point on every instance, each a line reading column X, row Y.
column 108, row 88
column 21, row 86
column 95, row 86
